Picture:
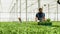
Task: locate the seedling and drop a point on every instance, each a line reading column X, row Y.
column 47, row 22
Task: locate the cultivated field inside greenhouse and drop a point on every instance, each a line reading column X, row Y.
column 28, row 28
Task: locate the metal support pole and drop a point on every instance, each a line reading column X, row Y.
column 17, row 8
column 0, row 10
column 38, row 3
column 48, row 10
column 26, row 10
column 57, row 12
column 20, row 8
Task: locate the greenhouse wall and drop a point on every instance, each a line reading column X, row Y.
column 27, row 9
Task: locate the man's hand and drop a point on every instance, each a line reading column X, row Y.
column 36, row 19
column 43, row 18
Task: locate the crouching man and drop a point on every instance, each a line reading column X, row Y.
column 40, row 16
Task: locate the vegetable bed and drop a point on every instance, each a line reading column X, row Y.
column 28, row 28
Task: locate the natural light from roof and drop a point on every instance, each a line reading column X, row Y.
column 5, row 4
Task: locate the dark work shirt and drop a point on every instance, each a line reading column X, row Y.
column 40, row 16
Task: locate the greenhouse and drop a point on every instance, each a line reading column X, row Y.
column 23, row 17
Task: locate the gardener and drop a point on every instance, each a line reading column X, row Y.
column 40, row 16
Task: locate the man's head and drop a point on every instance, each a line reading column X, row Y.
column 40, row 10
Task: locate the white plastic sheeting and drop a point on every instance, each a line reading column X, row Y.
column 12, row 9
column 51, row 9
column 32, row 6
